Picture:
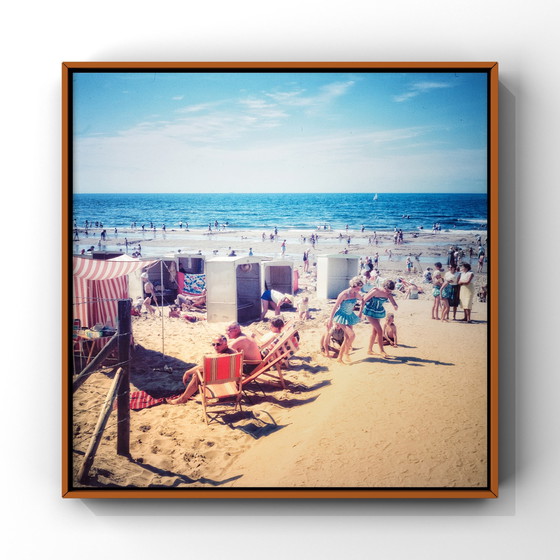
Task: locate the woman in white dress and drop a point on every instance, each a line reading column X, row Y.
column 466, row 295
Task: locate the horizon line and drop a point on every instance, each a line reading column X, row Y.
column 283, row 192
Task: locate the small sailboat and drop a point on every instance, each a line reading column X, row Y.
column 375, row 197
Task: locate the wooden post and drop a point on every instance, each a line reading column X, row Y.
column 124, row 331
column 98, row 432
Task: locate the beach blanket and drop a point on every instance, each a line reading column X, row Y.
column 140, row 400
column 193, row 284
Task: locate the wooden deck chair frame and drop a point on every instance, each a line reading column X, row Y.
column 220, row 378
column 290, row 329
column 271, row 364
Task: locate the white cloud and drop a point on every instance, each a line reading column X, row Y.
column 180, row 157
column 419, row 88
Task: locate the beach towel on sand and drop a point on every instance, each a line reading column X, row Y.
column 141, row 399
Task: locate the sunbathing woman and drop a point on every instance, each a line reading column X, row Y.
column 372, row 308
column 343, row 315
column 267, row 340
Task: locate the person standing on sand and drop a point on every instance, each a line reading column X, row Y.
column 303, row 309
column 306, row 261
column 449, row 293
column 343, row 315
column 150, row 294
column 372, row 308
column 437, row 282
column 466, row 294
column 409, row 265
column 480, row 263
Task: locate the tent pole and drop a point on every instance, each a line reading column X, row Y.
column 161, row 309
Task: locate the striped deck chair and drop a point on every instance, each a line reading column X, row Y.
column 271, row 364
column 220, row 378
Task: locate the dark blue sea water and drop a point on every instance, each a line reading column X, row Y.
column 284, row 210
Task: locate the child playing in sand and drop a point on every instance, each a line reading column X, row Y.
column 303, row 309
column 137, row 306
column 390, row 331
column 334, row 335
column 174, row 311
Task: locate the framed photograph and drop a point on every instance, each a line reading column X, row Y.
column 280, row 280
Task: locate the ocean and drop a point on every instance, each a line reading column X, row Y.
column 286, row 211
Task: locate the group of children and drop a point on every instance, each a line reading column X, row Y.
column 344, row 317
column 335, row 335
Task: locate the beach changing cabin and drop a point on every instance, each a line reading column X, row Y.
column 233, row 289
column 278, row 275
column 190, row 264
column 334, row 273
column 163, row 275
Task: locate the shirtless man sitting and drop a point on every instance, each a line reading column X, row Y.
column 239, row 341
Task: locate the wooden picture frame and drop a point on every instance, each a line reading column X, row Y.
column 80, row 442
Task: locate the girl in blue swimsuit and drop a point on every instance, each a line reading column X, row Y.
column 372, row 308
column 344, row 316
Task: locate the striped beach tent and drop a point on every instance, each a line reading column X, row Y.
column 98, row 285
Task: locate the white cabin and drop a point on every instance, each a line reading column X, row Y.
column 233, row 289
column 334, row 273
column 277, row 275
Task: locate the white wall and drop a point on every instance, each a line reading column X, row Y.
column 521, row 36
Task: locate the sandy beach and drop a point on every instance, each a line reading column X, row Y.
column 418, row 420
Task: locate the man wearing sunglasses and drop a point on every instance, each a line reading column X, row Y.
column 190, row 378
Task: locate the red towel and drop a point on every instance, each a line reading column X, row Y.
column 141, row 399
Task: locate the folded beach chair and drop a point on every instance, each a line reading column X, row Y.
column 220, row 378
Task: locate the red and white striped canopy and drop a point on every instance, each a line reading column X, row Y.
column 93, row 269
column 98, row 285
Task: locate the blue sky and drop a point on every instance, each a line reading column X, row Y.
column 280, row 132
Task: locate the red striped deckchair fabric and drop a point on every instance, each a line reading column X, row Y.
column 220, row 378
column 222, row 375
